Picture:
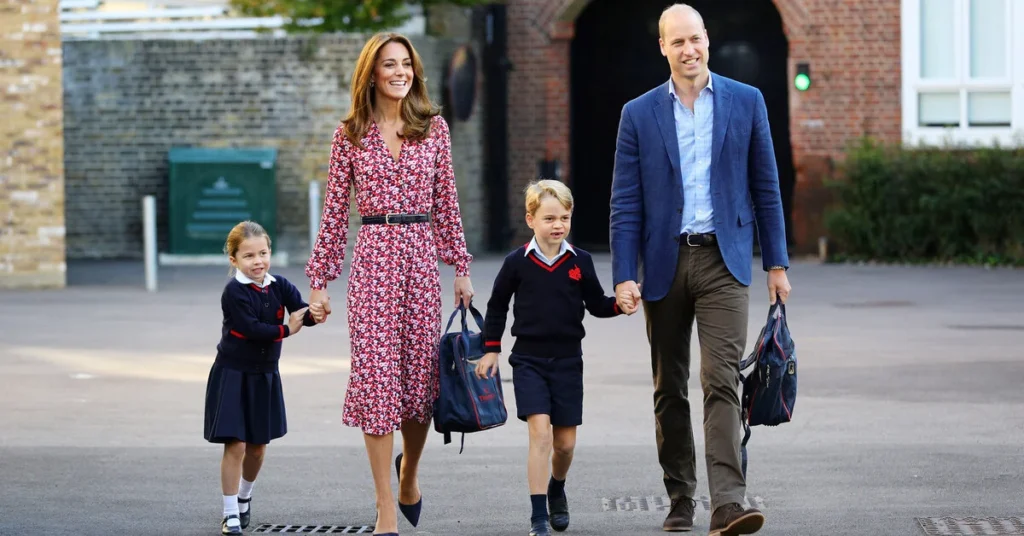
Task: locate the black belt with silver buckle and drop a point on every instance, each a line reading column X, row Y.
column 697, row 240
column 397, row 219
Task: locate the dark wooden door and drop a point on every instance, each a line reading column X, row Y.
column 615, row 58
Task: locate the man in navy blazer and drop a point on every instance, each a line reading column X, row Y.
column 694, row 172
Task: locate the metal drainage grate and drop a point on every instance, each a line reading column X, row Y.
column 653, row 503
column 874, row 304
column 972, row 526
column 991, row 327
column 269, row 528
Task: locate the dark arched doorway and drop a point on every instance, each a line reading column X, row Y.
column 615, row 58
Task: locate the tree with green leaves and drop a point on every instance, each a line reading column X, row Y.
column 329, row 16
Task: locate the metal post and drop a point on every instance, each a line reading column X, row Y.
column 314, row 212
column 149, row 240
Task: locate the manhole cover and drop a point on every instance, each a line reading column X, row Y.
column 654, row 503
column 268, row 528
column 972, row 526
column 875, row 304
column 993, row 327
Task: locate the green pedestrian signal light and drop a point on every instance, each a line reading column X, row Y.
column 803, row 77
column 802, row 82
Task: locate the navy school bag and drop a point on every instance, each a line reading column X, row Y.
column 466, row 403
column 769, row 389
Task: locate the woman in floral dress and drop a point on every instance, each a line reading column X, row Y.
column 394, row 149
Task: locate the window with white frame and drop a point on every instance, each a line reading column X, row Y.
column 963, row 71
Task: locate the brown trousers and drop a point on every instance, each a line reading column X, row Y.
column 703, row 289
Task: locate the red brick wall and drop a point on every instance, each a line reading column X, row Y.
column 852, row 46
column 538, row 97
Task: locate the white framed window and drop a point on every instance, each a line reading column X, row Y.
column 962, row 72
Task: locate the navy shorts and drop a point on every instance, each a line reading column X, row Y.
column 549, row 386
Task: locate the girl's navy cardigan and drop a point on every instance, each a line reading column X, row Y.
column 255, row 323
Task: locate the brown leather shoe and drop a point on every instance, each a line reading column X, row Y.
column 732, row 520
column 680, row 517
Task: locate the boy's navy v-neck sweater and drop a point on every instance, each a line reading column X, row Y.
column 549, row 303
column 255, row 323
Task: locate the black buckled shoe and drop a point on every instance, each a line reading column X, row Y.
column 244, row 516
column 559, row 516
column 540, row 528
column 227, row 527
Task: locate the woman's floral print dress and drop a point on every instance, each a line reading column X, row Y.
column 394, row 290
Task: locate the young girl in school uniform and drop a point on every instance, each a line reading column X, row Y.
column 244, row 400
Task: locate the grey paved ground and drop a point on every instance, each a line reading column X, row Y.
column 911, row 405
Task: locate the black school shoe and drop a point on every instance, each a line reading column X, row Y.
column 230, row 529
column 559, row 508
column 540, row 528
column 244, row 516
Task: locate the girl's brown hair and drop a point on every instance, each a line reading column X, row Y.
column 417, row 109
column 242, row 232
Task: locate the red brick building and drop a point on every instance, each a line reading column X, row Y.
column 874, row 73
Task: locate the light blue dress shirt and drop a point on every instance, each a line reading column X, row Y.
column 693, row 133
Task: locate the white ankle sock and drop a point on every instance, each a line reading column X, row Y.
column 245, row 492
column 245, row 489
column 230, row 505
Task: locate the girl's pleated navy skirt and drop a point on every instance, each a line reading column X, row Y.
column 244, row 406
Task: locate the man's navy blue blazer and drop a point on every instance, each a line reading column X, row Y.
column 647, row 197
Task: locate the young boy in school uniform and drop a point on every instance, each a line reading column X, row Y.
column 553, row 282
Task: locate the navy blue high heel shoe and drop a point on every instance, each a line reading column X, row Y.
column 382, row 533
column 410, row 511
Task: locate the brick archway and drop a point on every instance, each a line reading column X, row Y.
column 540, row 33
column 793, row 12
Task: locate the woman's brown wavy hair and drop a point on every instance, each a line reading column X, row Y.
column 417, row 109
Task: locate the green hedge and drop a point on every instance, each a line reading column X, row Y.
column 929, row 205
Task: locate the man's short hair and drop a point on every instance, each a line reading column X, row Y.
column 675, row 7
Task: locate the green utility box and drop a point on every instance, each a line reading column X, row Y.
column 211, row 190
